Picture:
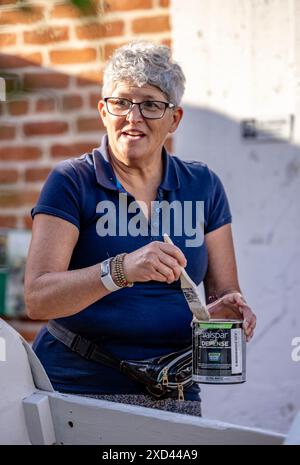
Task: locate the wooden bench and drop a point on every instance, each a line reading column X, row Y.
column 31, row 412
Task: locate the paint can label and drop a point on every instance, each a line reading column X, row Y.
column 219, row 352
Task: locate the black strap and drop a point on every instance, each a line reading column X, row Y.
column 82, row 346
column 91, row 351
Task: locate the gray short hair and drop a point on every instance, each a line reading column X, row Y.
column 143, row 63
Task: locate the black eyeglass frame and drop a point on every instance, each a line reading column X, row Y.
column 167, row 105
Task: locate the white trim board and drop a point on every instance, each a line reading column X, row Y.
column 80, row 420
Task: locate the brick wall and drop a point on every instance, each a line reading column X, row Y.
column 52, row 56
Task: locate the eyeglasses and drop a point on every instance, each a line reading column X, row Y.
column 150, row 109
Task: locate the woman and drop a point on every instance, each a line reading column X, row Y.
column 97, row 263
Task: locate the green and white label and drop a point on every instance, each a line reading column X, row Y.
column 215, row 325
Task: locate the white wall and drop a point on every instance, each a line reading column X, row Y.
column 242, row 59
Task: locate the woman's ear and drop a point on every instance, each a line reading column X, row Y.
column 176, row 118
column 102, row 111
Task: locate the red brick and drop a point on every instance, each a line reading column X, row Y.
column 45, row 104
column 28, row 330
column 20, row 153
column 94, row 99
column 8, row 221
column 36, row 174
column 73, row 55
column 18, row 198
column 73, row 150
column 70, row 11
column 151, row 24
column 40, row 128
column 126, row 5
column 31, row 15
column 27, row 224
column 7, row 132
column 34, row 58
column 90, row 78
column 46, row 35
column 65, row 11
column 11, row 82
column 46, row 80
column 89, row 124
column 167, row 42
column 70, row 102
column 98, row 31
column 7, row 39
column 8, row 176
column 7, row 2
column 110, row 48
column 19, row 107
column 20, row 61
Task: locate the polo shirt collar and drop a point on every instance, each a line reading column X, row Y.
column 105, row 175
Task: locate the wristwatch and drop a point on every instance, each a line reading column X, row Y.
column 105, row 276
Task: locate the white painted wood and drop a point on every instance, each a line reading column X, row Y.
column 79, row 420
column 40, row 377
column 39, row 419
column 32, row 416
column 293, row 436
column 16, row 382
column 20, row 374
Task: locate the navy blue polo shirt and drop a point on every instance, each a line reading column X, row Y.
column 150, row 318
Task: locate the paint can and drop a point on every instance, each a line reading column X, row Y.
column 219, row 352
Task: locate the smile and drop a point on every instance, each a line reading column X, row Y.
column 133, row 135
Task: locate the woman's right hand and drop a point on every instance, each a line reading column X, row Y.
column 156, row 261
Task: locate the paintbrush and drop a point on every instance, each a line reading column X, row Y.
column 190, row 291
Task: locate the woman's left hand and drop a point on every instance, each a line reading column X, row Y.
column 234, row 306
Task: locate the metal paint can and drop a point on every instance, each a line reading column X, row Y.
column 219, row 352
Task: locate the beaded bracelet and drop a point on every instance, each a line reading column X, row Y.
column 118, row 271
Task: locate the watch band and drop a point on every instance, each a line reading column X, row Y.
column 105, row 276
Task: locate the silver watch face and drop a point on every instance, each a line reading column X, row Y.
column 105, row 268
